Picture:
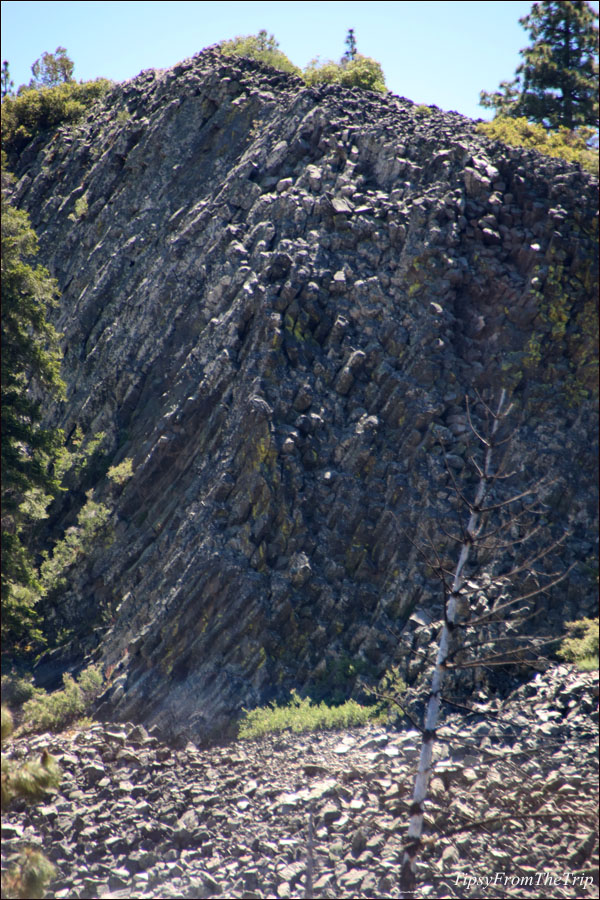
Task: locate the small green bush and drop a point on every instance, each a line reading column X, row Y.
column 362, row 72
column 317, row 72
column 79, row 539
column 34, row 110
column 565, row 144
column 17, row 689
column 53, row 712
column 30, row 873
column 122, row 473
column 81, row 208
column 30, row 780
column 302, row 715
column 581, row 648
column 27, row 878
column 261, row 46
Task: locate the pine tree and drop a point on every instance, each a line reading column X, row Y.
column 52, row 69
column 8, row 85
column 557, row 82
column 30, row 374
column 351, row 51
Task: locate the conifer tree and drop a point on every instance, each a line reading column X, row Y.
column 30, row 374
column 351, row 51
column 557, row 82
column 52, row 69
column 8, row 84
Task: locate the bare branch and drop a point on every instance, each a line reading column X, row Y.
column 496, row 524
column 499, row 640
column 505, row 817
column 470, row 421
column 510, row 603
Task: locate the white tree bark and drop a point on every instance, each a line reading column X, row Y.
column 421, row 788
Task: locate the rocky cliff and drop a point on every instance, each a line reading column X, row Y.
column 274, row 299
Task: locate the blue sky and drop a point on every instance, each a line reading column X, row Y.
column 440, row 53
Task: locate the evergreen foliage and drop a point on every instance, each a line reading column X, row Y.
column 565, row 144
column 302, row 714
column 34, row 111
column 361, row 72
column 17, row 688
column 7, row 84
column 30, row 780
column 35, row 460
column 581, row 647
column 351, row 51
column 353, row 69
column 28, row 877
column 52, row 69
column 261, row 46
column 556, row 85
column 30, row 372
column 54, row 711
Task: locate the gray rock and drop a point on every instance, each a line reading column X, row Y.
column 350, row 257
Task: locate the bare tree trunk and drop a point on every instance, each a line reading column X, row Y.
column 421, row 788
column 308, row 889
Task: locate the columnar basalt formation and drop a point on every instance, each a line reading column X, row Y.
column 274, row 299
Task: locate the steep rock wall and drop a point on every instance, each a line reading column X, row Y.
column 274, row 299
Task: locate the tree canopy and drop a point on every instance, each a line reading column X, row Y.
column 52, row 69
column 30, row 373
column 6, row 81
column 353, row 69
column 556, row 84
column 33, row 111
column 263, row 47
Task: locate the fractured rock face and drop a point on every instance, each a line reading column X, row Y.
column 274, row 304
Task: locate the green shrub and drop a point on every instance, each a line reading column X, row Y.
column 565, row 144
column 581, row 648
column 121, row 473
column 261, row 46
column 53, row 712
column 30, row 873
column 302, row 715
column 30, row 780
column 317, row 72
column 27, row 878
column 78, row 540
column 34, row 111
column 17, row 689
column 362, row 72
column 81, row 208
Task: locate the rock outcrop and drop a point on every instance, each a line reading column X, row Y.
column 512, row 810
column 274, row 298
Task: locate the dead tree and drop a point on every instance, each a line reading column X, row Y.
column 494, row 523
